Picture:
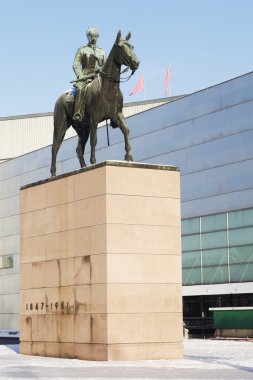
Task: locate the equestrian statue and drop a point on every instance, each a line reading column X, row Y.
column 96, row 96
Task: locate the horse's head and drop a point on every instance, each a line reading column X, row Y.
column 124, row 52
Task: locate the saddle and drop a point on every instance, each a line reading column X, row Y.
column 71, row 95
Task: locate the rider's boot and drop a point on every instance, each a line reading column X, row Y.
column 78, row 107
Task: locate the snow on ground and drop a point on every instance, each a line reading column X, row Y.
column 204, row 355
column 211, row 353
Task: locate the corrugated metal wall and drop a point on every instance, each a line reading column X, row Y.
column 24, row 134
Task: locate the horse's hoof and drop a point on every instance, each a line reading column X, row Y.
column 93, row 162
column 128, row 157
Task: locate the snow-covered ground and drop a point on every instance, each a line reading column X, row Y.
column 203, row 359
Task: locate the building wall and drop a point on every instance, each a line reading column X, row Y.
column 26, row 133
column 207, row 134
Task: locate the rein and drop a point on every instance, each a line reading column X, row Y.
column 111, row 79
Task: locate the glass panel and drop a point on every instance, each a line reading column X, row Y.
column 192, row 307
column 214, row 240
column 190, row 226
column 241, row 236
column 241, row 272
column 240, row 218
column 191, row 276
column 242, row 300
column 241, row 255
column 6, row 262
column 215, row 274
column 214, row 257
column 190, row 243
column 191, row 259
column 209, row 302
column 224, row 300
column 214, row 222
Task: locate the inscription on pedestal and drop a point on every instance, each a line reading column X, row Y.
column 53, row 306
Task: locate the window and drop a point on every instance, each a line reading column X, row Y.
column 240, row 218
column 191, row 259
column 214, row 240
column 192, row 276
column 241, row 255
column 218, row 248
column 190, row 243
column 214, row 222
column 241, row 272
column 215, row 274
column 190, row 226
column 241, row 236
column 6, row 262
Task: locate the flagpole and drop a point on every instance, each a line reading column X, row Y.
column 167, row 84
column 144, row 88
column 170, row 87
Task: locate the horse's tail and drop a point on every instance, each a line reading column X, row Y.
column 63, row 109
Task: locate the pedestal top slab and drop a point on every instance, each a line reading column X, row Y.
column 106, row 163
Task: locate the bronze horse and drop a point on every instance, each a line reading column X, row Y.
column 104, row 101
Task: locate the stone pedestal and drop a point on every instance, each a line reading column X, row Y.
column 101, row 264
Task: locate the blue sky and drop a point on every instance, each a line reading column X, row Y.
column 205, row 41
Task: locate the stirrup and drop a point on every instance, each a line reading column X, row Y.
column 77, row 116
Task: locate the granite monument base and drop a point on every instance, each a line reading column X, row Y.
column 101, row 264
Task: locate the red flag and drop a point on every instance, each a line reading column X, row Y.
column 139, row 86
column 166, row 80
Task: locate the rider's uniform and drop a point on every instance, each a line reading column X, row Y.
column 87, row 61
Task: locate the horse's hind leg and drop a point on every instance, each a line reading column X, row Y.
column 59, row 133
column 120, row 122
column 82, row 140
column 93, row 142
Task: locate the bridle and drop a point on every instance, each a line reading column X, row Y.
column 127, row 63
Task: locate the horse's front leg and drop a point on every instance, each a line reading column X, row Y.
column 93, row 141
column 82, row 140
column 120, row 121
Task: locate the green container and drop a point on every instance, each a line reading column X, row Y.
column 233, row 319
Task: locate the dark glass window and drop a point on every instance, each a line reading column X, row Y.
column 6, row 262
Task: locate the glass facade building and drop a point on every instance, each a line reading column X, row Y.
column 218, row 248
column 209, row 135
